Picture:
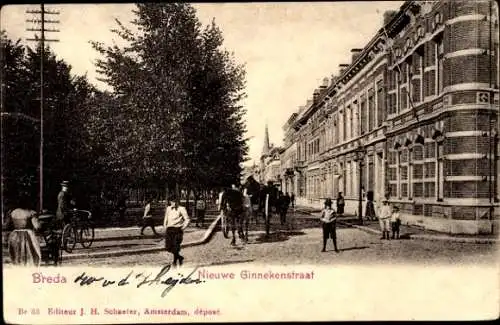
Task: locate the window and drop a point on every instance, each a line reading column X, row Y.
column 420, row 52
column 439, row 64
column 398, row 178
column 417, row 171
column 363, row 116
column 398, row 94
column 343, row 125
column 371, row 174
column 404, row 73
column 392, row 160
column 380, row 104
column 349, row 178
column 335, row 129
column 371, row 110
column 440, row 170
column 404, row 99
column 348, row 123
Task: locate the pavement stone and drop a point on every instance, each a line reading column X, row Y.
column 410, row 232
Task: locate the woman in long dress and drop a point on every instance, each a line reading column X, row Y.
column 24, row 247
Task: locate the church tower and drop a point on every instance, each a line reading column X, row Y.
column 266, row 147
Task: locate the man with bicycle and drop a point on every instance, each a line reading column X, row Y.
column 65, row 204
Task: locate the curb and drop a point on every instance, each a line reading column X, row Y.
column 435, row 237
column 205, row 239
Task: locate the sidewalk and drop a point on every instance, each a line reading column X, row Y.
column 111, row 242
column 410, row 232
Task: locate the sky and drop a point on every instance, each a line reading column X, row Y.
column 287, row 48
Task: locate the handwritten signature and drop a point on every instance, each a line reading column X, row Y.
column 162, row 278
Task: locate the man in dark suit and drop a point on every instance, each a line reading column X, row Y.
column 64, row 203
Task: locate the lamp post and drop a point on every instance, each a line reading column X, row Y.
column 360, row 153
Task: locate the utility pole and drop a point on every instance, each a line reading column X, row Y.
column 41, row 40
column 2, row 109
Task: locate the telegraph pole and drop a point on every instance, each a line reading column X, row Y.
column 41, row 40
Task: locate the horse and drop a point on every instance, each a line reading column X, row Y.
column 269, row 202
column 234, row 210
column 253, row 190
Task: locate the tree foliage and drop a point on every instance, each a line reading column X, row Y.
column 66, row 152
column 175, row 114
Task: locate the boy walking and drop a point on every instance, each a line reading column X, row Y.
column 329, row 220
column 385, row 219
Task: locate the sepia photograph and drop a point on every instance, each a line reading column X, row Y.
column 312, row 153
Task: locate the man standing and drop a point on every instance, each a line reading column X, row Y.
column 340, row 204
column 64, row 202
column 200, row 211
column 175, row 222
column 292, row 200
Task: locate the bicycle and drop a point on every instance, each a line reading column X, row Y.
column 52, row 238
column 79, row 229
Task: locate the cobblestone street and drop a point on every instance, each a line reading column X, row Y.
column 303, row 246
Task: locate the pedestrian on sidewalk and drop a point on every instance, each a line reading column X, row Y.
column 292, row 200
column 147, row 218
column 329, row 223
column 370, row 207
column 384, row 217
column 200, row 211
column 175, row 222
column 395, row 222
column 282, row 206
column 340, row 204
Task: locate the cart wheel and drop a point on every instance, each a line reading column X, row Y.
column 68, row 238
column 87, row 234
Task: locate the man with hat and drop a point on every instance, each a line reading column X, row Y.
column 63, row 202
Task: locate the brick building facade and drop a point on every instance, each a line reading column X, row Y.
column 413, row 117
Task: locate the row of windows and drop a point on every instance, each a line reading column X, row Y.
column 406, row 87
column 414, row 180
column 406, row 82
column 354, row 120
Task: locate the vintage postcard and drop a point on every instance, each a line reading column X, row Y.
column 250, row 162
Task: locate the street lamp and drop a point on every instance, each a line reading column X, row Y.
column 360, row 153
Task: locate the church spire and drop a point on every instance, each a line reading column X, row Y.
column 266, row 147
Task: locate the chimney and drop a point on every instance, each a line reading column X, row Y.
column 324, row 85
column 388, row 15
column 355, row 53
column 316, row 93
column 301, row 108
column 309, row 103
column 343, row 67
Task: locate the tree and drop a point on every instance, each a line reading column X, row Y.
column 66, row 152
column 176, row 95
